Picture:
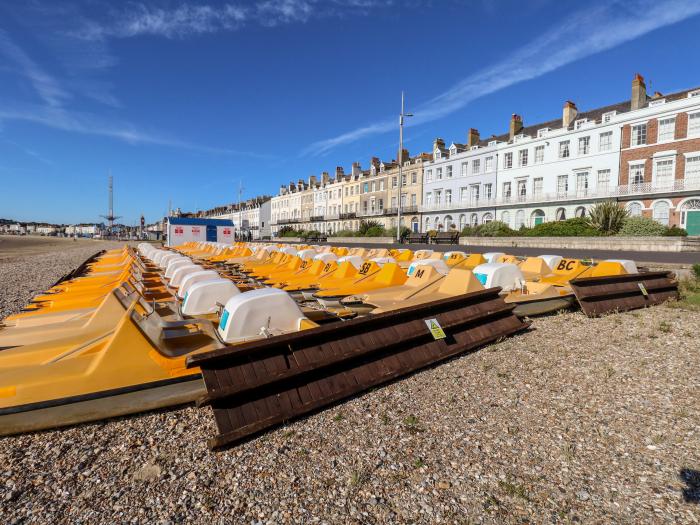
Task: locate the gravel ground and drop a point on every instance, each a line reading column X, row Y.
column 29, row 265
column 578, row 420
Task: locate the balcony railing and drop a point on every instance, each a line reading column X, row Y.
column 458, row 204
column 317, row 218
column 627, row 190
column 345, row 216
column 372, row 213
column 404, row 210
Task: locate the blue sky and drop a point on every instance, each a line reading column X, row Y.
column 180, row 99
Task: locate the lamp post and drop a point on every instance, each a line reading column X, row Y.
column 398, row 207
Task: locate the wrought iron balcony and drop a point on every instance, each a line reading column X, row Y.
column 645, row 189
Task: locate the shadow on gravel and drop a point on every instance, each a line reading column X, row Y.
column 691, row 494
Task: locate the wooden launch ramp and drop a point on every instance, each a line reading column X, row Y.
column 619, row 293
column 257, row 385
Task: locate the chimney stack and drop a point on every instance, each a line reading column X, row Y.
column 403, row 157
column 472, row 137
column 325, row 178
column 375, row 162
column 639, row 92
column 313, row 181
column 339, row 173
column 438, row 143
column 356, row 169
column 569, row 114
column 300, row 184
column 516, row 124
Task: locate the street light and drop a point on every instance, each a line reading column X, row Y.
column 398, row 208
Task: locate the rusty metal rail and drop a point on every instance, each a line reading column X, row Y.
column 619, row 293
column 257, row 385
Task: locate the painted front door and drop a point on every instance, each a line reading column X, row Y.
column 539, row 220
column 211, row 233
column 692, row 222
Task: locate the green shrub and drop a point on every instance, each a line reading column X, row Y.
column 607, row 217
column 345, row 233
column 495, row 229
column 469, row 231
column 642, row 227
column 576, row 227
column 696, row 271
column 375, row 231
column 288, row 231
column 675, row 231
column 365, row 225
column 391, row 232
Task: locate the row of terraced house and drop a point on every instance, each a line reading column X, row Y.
column 643, row 152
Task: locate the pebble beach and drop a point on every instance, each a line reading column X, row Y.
column 576, row 421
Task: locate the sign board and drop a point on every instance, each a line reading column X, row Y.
column 179, row 231
column 435, row 329
column 643, row 289
column 224, row 234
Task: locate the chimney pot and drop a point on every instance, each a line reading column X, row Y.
column 516, row 125
column 568, row 114
column 472, row 137
column 639, row 92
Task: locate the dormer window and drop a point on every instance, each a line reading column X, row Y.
column 453, row 150
column 695, row 93
column 543, row 132
column 579, row 123
column 474, row 147
column 438, row 154
column 493, row 142
column 607, row 117
column 519, row 137
column 657, row 102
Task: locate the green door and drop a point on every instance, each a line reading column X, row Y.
column 539, row 220
column 692, row 222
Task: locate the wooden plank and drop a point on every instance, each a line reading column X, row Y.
column 329, row 365
column 602, row 295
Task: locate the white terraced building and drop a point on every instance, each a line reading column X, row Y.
column 558, row 169
column 251, row 218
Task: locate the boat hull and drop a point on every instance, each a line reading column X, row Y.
column 543, row 306
column 100, row 405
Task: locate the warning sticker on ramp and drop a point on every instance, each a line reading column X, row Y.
column 435, row 329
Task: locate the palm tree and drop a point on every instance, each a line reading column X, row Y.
column 608, row 216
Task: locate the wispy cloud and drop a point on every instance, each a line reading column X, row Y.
column 90, row 124
column 44, row 84
column 55, row 111
column 186, row 19
column 28, row 152
column 585, row 33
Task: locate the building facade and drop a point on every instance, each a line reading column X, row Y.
column 660, row 160
column 643, row 152
column 251, row 218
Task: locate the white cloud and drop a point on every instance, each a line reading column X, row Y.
column 44, row 84
column 89, row 124
column 586, row 32
column 186, row 19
